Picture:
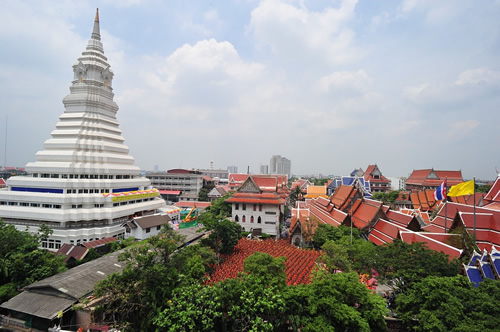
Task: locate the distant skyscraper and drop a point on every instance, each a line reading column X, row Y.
column 280, row 165
column 232, row 169
column 264, row 169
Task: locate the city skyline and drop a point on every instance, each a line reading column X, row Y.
column 331, row 85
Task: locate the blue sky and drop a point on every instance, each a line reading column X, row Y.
column 330, row 85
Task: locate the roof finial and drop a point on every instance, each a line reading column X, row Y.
column 96, row 33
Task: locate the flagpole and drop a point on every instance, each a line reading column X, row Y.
column 474, row 197
column 445, row 204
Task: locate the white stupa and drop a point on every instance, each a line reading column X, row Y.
column 84, row 184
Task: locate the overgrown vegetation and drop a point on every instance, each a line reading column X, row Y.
column 22, row 262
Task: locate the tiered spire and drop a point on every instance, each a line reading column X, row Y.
column 96, row 33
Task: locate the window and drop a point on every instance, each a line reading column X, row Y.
column 158, row 227
column 259, row 220
column 260, row 207
column 244, row 207
column 251, row 219
column 236, row 218
column 236, row 206
column 243, row 219
column 255, row 207
column 148, row 230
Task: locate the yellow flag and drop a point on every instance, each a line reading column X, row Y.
column 461, row 189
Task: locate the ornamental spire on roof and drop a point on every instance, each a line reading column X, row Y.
column 96, row 33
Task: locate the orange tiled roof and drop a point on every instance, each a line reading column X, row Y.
column 364, row 214
column 342, row 196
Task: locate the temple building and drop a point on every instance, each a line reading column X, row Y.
column 84, row 184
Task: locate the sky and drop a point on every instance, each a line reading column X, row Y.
column 330, row 85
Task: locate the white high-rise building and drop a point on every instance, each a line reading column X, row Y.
column 280, row 165
column 83, row 184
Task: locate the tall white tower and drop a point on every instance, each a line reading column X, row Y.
column 84, row 185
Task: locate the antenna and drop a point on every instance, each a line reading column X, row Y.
column 5, row 150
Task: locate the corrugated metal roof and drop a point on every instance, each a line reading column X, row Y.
column 39, row 304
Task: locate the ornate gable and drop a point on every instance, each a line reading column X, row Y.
column 432, row 175
column 249, row 186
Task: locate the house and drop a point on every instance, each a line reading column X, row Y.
column 217, row 192
column 144, row 227
column 378, row 182
column 257, row 204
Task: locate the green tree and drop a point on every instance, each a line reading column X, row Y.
column 270, row 270
column 335, row 257
column 192, row 308
column 220, row 208
column 401, row 264
column 134, row 297
column 22, row 262
column 224, row 234
column 334, row 302
column 450, row 304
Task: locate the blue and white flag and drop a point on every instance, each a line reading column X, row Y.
column 440, row 192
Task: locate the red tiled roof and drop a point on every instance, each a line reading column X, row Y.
column 72, row 251
column 493, row 206
column 389, row 229
column 98, row 243
column 190, row 204
column 266, row 183
column 493, row 194
column 323, row 201
column 368, row 176
column 2, row 183
column 169, row 192
column 364, row 214
column 411, row 237
column 399, row 218
column 419, row 177
column 256, row 198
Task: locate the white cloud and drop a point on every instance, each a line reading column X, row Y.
column 358, row 80
column 478, row 76
column 461, row 129
column 471, row 83
column 298, row 34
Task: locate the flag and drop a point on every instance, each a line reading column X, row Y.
column 440, row 192
column 461, row 189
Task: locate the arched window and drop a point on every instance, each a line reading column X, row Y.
column 236, row 218
column 259, row 220
column 243, row 219
column 251, row 219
